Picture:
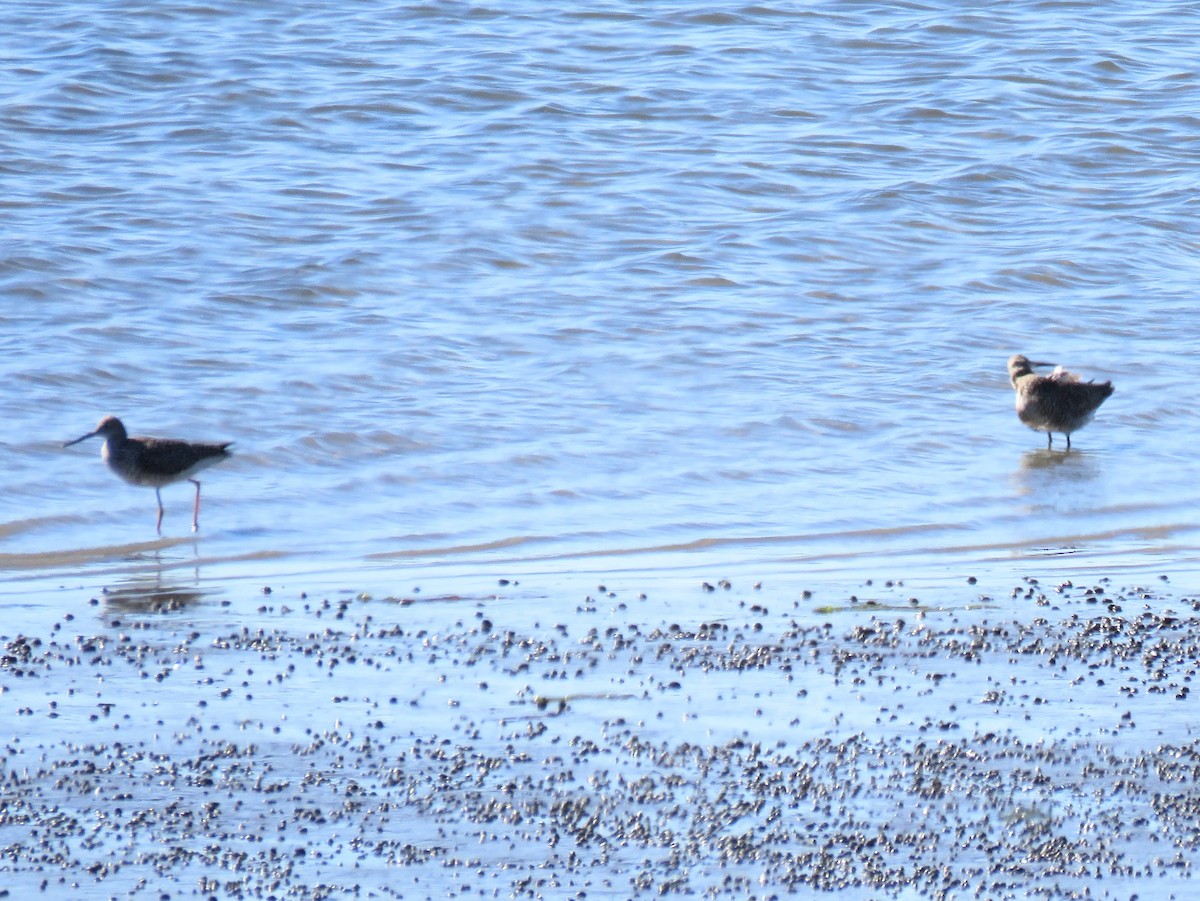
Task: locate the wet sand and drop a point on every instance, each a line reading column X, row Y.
column 999, row 742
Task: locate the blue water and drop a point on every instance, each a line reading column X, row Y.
column 619, row 288
column 543, row 316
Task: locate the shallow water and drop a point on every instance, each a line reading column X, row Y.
column 476, row 288
column 642, row 296
column 500, row 742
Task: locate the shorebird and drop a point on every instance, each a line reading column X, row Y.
column 1058, row 402
column 155, row 461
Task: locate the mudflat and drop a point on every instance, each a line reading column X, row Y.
column 1039, row 741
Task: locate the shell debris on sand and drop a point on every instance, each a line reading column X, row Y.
column 401, row 751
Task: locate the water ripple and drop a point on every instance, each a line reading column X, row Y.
column 619, row 278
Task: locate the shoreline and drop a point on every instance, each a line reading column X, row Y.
column 511, row 745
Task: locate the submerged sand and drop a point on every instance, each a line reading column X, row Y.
column 728, row 743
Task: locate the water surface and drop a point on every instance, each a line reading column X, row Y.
column 553, row 315
column 478, row 289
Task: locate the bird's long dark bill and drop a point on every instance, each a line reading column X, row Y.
column 1031, row 363
column 80, row 438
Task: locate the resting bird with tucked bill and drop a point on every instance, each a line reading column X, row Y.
column 1058, row 402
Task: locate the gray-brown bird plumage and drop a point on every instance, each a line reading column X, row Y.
column 155, row 462
column 1059, row 402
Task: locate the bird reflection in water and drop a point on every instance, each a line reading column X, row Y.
column 151, row 596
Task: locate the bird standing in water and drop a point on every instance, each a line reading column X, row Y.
column 1058, row 402
column 155, row 461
